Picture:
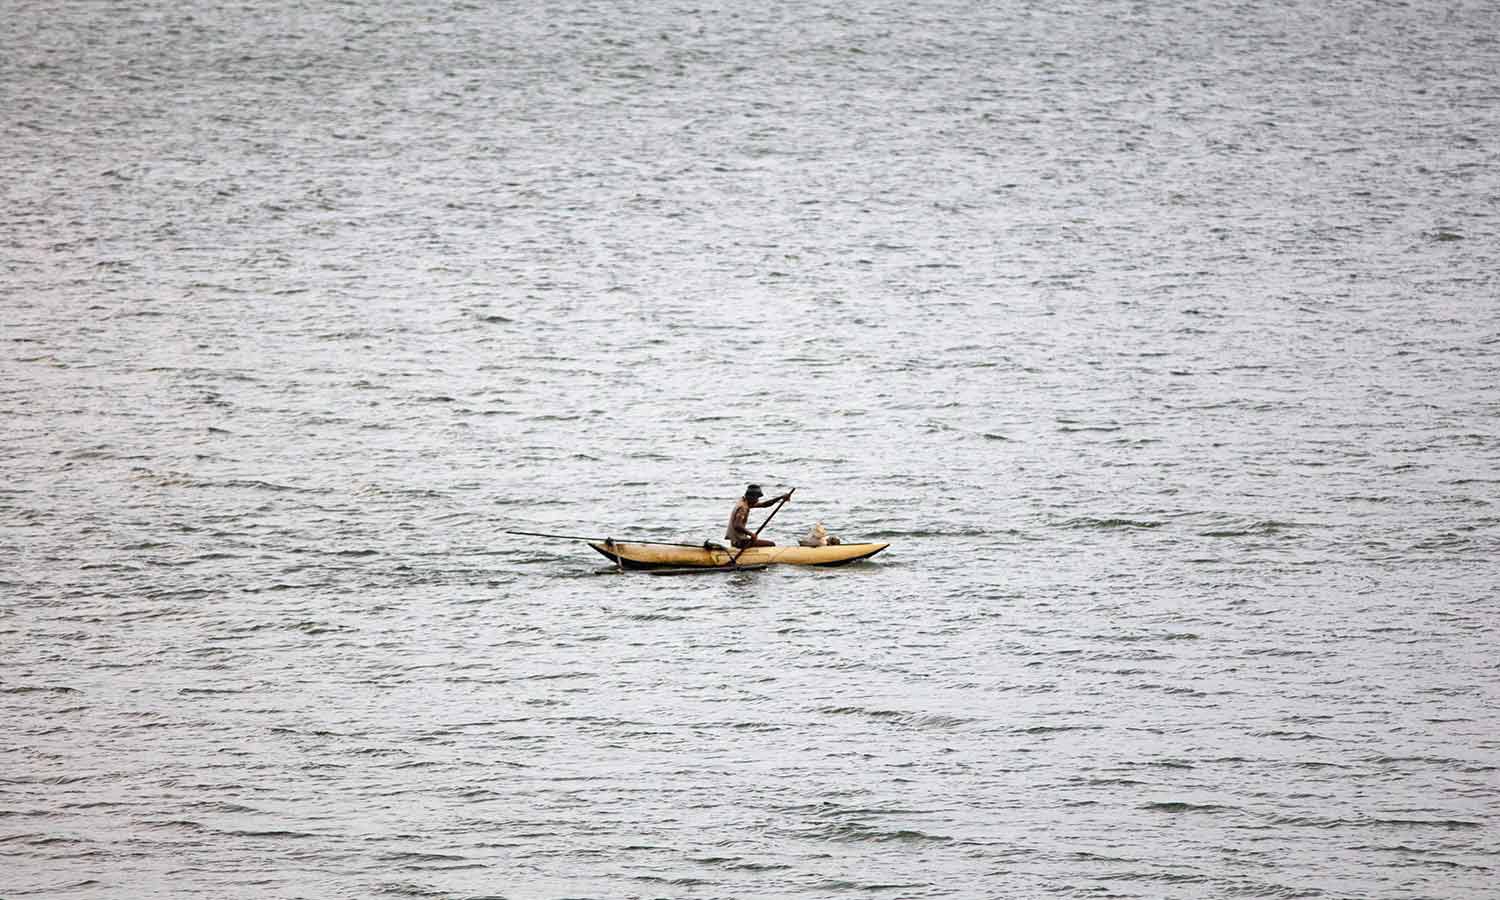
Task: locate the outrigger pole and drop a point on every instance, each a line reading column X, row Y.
column 602, row 540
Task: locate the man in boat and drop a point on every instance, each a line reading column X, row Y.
column 737, row 534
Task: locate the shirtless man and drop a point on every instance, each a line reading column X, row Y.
column 737, row 534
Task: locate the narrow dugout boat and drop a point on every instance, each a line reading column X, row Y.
column 657, row 556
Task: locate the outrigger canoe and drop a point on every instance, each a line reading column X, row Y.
column 655, row 556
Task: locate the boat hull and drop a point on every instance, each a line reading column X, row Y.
column 651, row 556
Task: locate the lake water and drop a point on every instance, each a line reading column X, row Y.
column 1160, row 341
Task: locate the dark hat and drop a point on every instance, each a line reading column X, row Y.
column 753, row 491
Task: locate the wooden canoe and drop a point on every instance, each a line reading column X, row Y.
column 653, row 556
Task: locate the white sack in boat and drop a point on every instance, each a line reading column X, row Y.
column 818, row 537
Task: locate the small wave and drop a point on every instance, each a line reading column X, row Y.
column 1165, row 877
column 1292, row 735
column 40, row 689
column 860, row 831
column 1131, row 638
column 408, row 889
column 69, row 887
column 410, row 856
column 899, row 717
column 1179, row 806
column 1278, row 651
column 182, row 479
column 282, row 586
column 1420, row 760
column 553, row 676
column 43, row 840
column 873, row 887
column 758, row 867
column 315, row 628
column 55, row 780
column 1322, row 822
column 685, row 881
column 222, row 806
column 1449, row 824
column 927, row 533
column 1254, row 529
column 258, row 485
column 1055, row 729
column 1087, row 856
column 1180, row 690
column 655, row 617
column 174, row 823
column 1112, row 522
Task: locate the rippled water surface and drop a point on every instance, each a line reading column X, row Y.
column 1160, row 341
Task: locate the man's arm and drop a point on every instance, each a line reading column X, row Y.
column 773, row 501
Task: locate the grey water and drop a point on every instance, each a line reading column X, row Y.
column 1160, row 341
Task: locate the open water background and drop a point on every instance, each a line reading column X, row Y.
column 1161, row 341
